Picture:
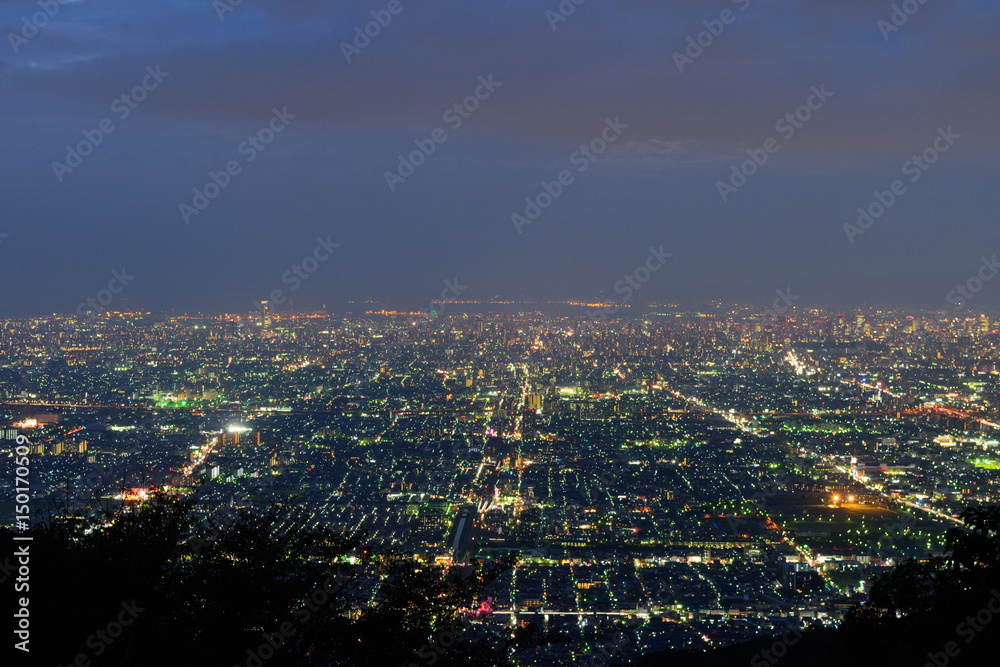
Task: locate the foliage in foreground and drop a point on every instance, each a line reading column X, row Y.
column 215, row 595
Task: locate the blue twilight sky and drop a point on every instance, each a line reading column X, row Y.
column 690, row 118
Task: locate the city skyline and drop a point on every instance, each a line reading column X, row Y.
column 706, row 481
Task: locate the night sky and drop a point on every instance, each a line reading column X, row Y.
column 676, row 119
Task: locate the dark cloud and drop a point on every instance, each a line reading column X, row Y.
column 609, row 59
column 606, row 59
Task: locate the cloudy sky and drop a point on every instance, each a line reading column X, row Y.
column 666, row 124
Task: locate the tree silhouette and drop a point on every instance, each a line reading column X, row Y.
column 145, row 584
column 915, row 610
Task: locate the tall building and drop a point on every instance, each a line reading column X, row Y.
column 529, row 424
column 265, row 314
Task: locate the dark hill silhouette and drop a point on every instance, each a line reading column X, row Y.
column 134, row 588
column 140, row 586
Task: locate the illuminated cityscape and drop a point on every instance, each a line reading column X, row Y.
column 696, row 476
